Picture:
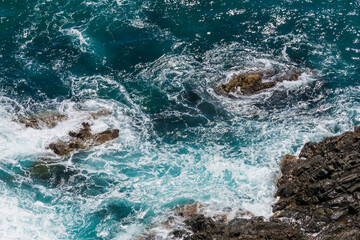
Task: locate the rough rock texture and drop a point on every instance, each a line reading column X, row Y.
column 194, row 225
column 100, row 113
column 319, row 196
column 322, row 191
column 83, row 139
column 254, row 228
column 198, row 226
column 248, row 84
column 49, row 120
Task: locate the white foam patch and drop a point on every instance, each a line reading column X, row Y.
column 78, row 38
column 304, row 78
column 89, row 86
column 28, row 220
column 226, row 176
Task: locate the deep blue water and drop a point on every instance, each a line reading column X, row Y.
column 154, row 63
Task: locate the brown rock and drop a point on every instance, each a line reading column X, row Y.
column 248, row 84
column 100, row 113
column 49, row 120
column 295, row 76
column 105, row 136
column 60, row 148
column 244, row 84
column 83, row 134
column 83, row 139
column 288, row 161
column 187, row 210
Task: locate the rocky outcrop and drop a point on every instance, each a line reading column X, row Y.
column 255, row 228
column 190, row 223
column 248, row 84
column 83, row 139
column 321, row 190
column 51, row 119
column 100, row 113
column 199, row 226
column 48, row 120
column 319, row 196
column 56, row 172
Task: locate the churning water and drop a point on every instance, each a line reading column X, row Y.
column 154, row 63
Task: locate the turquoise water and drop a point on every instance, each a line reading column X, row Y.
column 153, row 63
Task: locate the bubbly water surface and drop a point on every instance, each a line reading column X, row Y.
column 154, row 63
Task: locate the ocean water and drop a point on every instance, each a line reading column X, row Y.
column 153, row 63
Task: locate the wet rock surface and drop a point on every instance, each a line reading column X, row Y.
column 196, row 226
column 100, row 113
column 51, row 119
column 248, row 84
column 254, row 228
column 83, row 139
column 319, row 196
column 57, row 172
column 321, row 190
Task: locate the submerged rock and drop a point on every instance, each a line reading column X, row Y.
column 83, row 139
column 55, row 172
column 248, row 84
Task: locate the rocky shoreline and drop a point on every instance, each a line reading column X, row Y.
column 318, row 198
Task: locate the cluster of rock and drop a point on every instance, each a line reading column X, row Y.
column 318, row 192
column 199, row 226
column 51, row 119
column 248, row 84
column 319, row 196
column 43, row 120
column 240, row 228
column 83, row 139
